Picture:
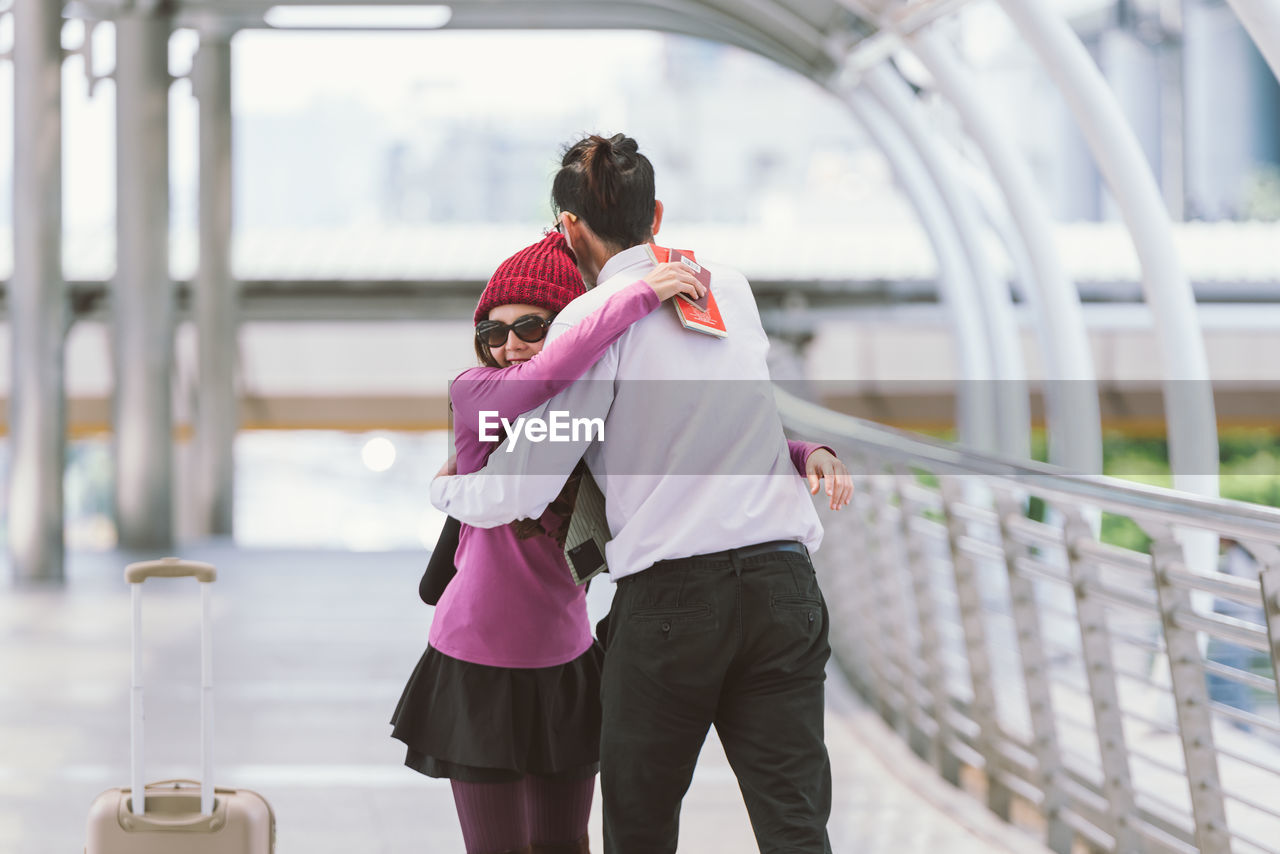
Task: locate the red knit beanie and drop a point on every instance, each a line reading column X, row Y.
column 544, row 274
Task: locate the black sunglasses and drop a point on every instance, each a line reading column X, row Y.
column 530, row 328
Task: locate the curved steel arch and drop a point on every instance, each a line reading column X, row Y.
column 1075, row 432
column 1190, row 414
column 810, row 41
column 1008, row 390
column 976, row 423
column 1164, row 283
column 807, row 36
column 764, row 27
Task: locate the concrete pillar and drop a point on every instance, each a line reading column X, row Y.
column 142, row 296
column 38, row 311
column 216, row 293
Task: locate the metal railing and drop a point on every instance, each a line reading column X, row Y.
column 1113, row 698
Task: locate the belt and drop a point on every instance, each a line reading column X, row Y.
column 733, row 556
column 756, row 550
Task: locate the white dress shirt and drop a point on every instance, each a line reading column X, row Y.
column 693, row 459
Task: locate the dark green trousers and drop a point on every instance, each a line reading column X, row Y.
column 738, row 643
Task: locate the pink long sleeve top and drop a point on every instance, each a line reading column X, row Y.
column 514, row 602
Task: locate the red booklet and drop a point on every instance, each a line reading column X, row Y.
column 702, row 315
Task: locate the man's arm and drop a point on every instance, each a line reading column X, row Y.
column 523, row 476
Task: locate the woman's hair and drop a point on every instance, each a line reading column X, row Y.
column 609, row 184
column 483, row 354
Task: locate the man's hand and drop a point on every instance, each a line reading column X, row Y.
column 673, row 278
column 824, row 465
column 450, row 467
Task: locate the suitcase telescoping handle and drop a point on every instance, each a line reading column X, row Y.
column 135, row 574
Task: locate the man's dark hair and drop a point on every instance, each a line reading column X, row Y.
column 607, row 183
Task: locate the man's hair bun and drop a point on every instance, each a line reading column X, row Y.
column 609, row 183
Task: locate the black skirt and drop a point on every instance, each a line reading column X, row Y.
column 480, row 724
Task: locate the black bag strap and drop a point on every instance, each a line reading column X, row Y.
column 440, row 567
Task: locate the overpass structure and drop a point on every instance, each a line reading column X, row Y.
column 961, row 557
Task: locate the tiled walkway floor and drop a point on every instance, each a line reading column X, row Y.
column 311, row 650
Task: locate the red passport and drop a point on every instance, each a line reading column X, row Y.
column 702, row 315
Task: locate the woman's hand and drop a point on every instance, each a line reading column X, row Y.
column 673, row 278
column 824, row 465
column 450, row 467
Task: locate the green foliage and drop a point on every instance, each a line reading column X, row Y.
column 1249, row 469
column 925, row 478
column 1123, row 532
column 1262, row 194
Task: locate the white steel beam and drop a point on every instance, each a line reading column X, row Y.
column 1190, row 415
column 976, row 421
column 1189, row 408
column 1071, row 394
column 37, row 295
column 142, row 297
column 1008, row 392
column 216, row 293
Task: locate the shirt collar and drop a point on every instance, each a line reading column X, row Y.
column 636, row 256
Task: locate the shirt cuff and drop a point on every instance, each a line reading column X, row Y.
column 437, row 492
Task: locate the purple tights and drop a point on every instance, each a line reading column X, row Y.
column 499, row 817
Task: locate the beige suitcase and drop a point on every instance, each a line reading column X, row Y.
column 179, row 816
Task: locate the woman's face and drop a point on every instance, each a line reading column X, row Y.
column 515, row 350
